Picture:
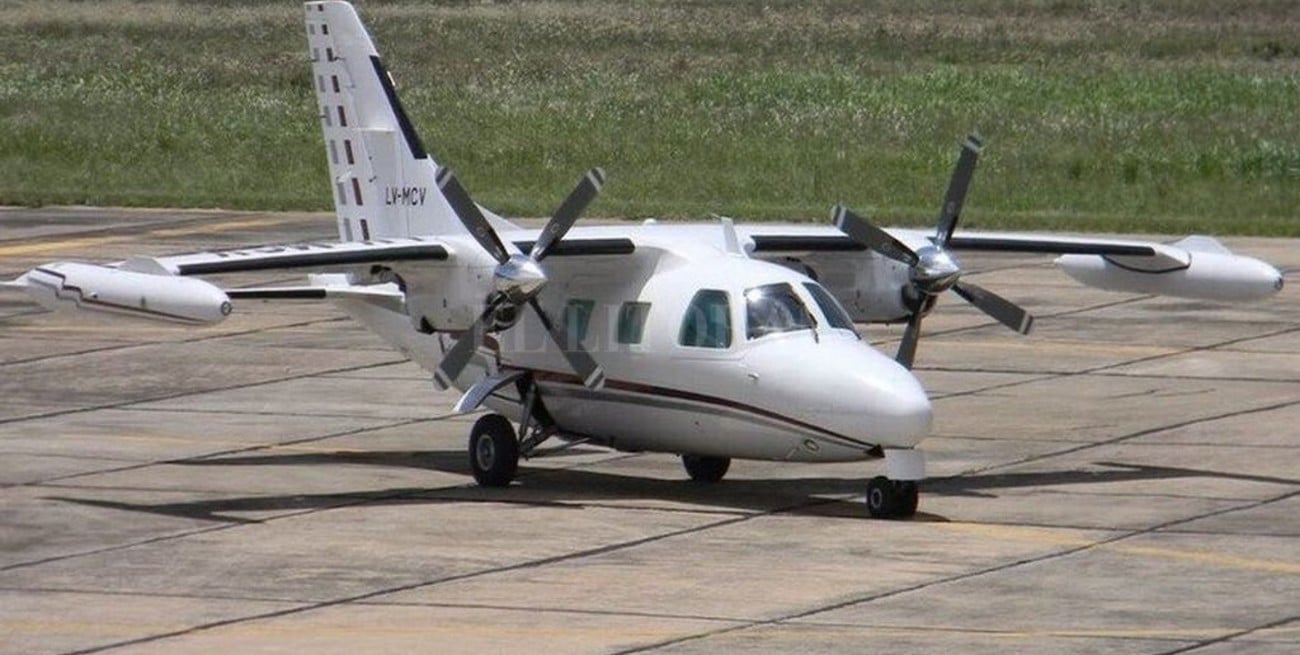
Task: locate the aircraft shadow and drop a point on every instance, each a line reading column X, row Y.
column 576, row 488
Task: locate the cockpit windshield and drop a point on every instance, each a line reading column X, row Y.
column 831, row 308
column 774, row 308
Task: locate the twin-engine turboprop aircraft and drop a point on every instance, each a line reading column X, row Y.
column 713, row 341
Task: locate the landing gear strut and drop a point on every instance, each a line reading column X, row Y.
column 892, row 499
column 495, row 448
column 706, row 469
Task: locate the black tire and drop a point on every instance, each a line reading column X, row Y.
column 892, row 499
column 706, row 469
column 493, row 451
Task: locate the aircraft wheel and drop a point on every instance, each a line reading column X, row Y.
column 493, row 451
column 706, row 469
column 892, row 499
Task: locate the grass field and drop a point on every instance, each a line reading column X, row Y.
column 1175, row 116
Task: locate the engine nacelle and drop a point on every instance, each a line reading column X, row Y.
column 869, row 286
column 1203, row 274
column 77, row 286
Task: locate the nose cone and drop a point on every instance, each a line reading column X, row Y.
column 851, row 389
column 892, row 406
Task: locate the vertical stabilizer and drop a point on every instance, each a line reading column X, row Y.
column 381, row 176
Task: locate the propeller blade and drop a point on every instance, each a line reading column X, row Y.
column 1005, row 311
column 470, row 216
column 911, row 337
column 863, row 232
column 593, row 376
column 568, row 213
column 460, row 353
column 957, row 186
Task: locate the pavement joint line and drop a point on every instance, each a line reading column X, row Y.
column 1115, row 374
column 559, row 610
column 148, row 594
column 1179, row 635
column 1122, row 438
column 355, row 598
column 1106, row 367
column 1236, row 635
column 183, row 394
column 151, row 344
column 875, row 596
column 410, row 586
column 993, row 323
column 177, row 461
column 358, row 417
column 361, row 497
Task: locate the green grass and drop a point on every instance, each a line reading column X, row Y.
column 1177, row 116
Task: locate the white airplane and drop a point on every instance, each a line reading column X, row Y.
column 711, row 341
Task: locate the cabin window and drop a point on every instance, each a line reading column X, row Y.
column 631, row 321
column 577, row 315
column 774, row 308
column 707, row 323
column 831, row 308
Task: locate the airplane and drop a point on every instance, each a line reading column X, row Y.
column 710, row 341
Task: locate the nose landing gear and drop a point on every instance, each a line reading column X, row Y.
column 892, row 499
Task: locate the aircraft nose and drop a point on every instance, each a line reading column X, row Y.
column 882, row 402
column 897, row 408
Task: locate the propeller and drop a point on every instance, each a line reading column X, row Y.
column 933, row 269
column 518, row 278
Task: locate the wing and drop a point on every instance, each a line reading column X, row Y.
column 323, row 256
column 158, row 288
column 1194, row 267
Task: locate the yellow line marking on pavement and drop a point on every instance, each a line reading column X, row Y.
column 1155, row 552
column 76, row 243
column 206, row 441
column 1063, row 633
column 1069, row 347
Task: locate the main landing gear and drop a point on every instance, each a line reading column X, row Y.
column 495, row 447
column 493, row 451
column 702, row 468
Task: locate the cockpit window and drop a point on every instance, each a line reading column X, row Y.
column 835, row 315
column 707, row 323
column 774, row 308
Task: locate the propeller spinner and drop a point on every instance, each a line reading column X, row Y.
column 933, row 269
column 518, row 278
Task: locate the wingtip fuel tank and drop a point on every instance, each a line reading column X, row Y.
column 1196, row 267
column 64, row 286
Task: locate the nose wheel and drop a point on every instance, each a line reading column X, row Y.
column 892, row 499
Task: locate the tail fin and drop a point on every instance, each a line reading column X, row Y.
column 382, row 176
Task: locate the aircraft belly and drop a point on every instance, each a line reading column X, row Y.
column 640, row 421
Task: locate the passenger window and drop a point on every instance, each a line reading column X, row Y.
column 831, row 308
column 577, row 314
column 774, row 308
column 707, row 323
column 631, row 321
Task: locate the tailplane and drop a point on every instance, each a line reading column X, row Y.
column 381, row 175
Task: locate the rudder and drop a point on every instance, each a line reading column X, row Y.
column 381, row 176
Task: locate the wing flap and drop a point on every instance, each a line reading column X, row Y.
column 315, row 256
